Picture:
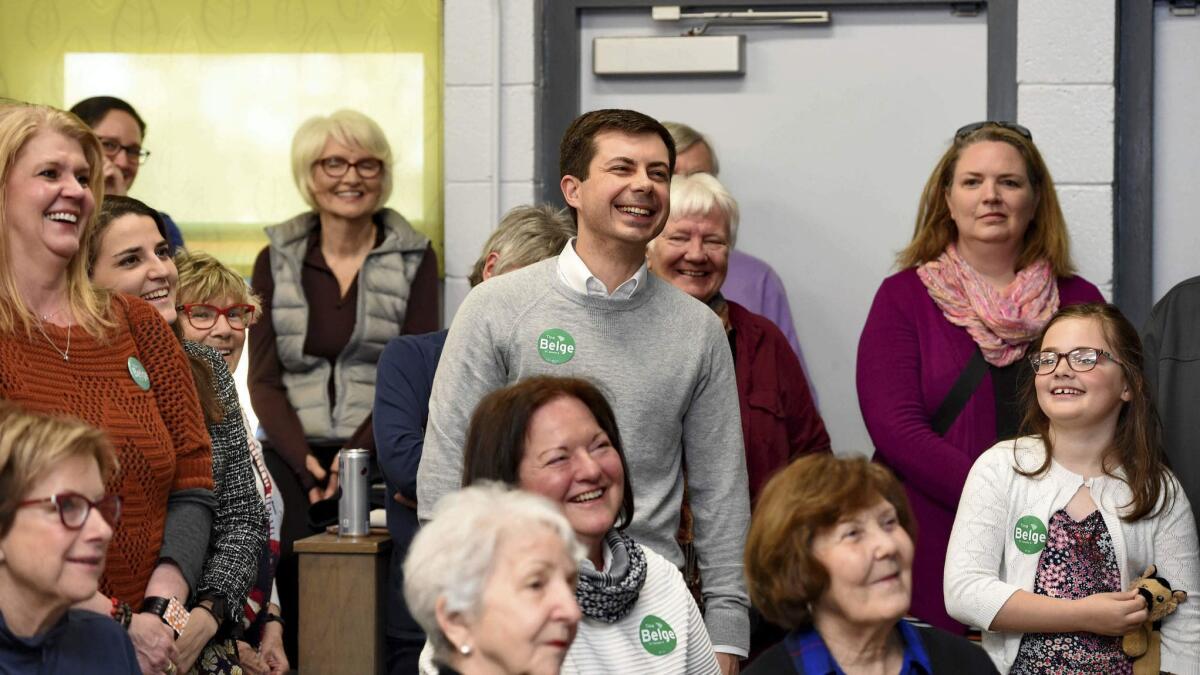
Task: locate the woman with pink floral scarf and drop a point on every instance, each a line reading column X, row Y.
column 940, row 354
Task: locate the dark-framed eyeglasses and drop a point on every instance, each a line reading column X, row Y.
column 134, row 153
column 74, row 508
column 968, row 129
column 203, row 317
column 1080, row 359
column 336, row 167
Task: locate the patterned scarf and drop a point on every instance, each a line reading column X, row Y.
column 609, row 596
column 1002, row 322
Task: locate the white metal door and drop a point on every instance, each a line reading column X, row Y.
column 826, row 142
column 1176, row 148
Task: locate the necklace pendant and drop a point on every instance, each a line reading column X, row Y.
column 66, row 357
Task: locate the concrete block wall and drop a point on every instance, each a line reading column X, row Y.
column 473, row 56
column 1066, row 51
column 1066, row 55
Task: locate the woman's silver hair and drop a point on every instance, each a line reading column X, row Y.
column 685, row 137
column 350, row 128
column 526, row 234
column 453, row 555
column 700, row 194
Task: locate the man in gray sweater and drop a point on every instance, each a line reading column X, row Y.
column 661, row 358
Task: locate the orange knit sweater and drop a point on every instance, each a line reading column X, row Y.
column 159, row 434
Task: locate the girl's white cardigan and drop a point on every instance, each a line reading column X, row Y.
column 984, row 567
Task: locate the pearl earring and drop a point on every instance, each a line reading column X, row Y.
column 465, row 650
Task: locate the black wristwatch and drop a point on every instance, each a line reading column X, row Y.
column 170, row 610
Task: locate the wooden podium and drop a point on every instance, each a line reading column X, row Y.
column 343, row 594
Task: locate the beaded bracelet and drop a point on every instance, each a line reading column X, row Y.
column 122, row 613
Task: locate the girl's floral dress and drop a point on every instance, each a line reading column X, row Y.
column 1079, row 560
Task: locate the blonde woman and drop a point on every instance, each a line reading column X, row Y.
column 69, row 348
column 216, row 309
column 336, row 282
column 988, row 265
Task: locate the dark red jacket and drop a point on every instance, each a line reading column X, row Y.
column 779, row 419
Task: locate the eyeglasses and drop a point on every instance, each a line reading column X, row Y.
column 1080, row 359
column 134, row 153
column 971, row 128
column 203, row 317
column 74, row 508
column 336, row 167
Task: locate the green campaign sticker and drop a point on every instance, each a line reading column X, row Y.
column 556, row 346
column 657, row 635
column 138, row 372
column 1030, row 534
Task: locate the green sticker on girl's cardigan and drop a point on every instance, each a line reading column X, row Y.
column 138, row 372
column 1030, row 534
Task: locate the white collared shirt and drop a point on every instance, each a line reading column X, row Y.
column 575, row 274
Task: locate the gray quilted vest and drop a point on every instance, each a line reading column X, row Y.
column 384, row 283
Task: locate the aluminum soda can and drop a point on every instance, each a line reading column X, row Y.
column 353, row 513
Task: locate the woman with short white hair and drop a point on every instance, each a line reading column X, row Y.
column 491, row 579
column 779, row 418
column 337, row 282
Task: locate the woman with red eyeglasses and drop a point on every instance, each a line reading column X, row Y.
column 130, row 254
column 55, row 525
column 218, row 308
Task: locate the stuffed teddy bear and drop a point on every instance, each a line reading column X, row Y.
column 1144, row 643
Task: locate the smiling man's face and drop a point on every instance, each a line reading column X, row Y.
column 626, row 195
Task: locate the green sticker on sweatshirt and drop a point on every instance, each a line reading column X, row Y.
column 657, row 636
column 1030, row 534
column 556, row 346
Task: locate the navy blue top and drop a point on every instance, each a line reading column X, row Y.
column 174, row 234
column 402, row 389
column 810, row 655
column 926, row 651
column 81, row 642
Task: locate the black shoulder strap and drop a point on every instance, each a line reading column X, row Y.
column 966, row 384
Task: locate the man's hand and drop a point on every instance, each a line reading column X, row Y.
column 201, row 627
column 154, row 642
column 730, row 663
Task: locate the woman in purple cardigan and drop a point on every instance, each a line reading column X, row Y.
column 988, row 265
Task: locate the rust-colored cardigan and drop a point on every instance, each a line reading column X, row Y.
column 159, row 434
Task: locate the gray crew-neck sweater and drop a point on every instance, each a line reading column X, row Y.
column 663, row 361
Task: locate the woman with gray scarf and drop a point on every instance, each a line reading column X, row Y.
column 558, row 437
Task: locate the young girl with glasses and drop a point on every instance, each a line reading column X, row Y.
column 1053, row 527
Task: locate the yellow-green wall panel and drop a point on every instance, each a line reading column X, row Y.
column 36, row 34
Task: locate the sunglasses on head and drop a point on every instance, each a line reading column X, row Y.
column 971, row 128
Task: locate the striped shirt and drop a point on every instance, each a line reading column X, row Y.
column 663, row 633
